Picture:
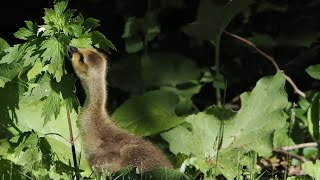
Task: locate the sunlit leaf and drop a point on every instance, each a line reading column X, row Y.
column 149, row 113
column 248, row 130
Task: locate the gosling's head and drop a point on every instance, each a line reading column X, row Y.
column 88, row 63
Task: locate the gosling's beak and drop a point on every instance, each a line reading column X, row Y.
column 71, row 50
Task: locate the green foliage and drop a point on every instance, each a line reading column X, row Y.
column 229, row 148
column 213, row 17
column 161, row 87
column 314, row 71
column 312, row 169
column 148, row 114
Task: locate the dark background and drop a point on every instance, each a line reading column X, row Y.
column 300, row 16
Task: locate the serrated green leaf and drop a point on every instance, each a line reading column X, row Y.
column 37, row 91
column 23, row 33
column 3, row 45
column 314, row 71
column 81, row 42
column 8, row 72
column 74, row 30
column 35, row 70
column 60, row 7
column 249, row 129
column 100, row 41
column 67, row 88
column 31, row 55
column 51, row 107
column 14, row 53
column 91, row 23
column 149, row 113
column 53, row 52
column 213, row 18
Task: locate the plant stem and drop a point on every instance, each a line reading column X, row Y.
column 74, row 155
column 217, row 66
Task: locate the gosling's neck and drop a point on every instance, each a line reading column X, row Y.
column 96, row 95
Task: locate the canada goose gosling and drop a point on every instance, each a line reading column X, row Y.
column 107, row 146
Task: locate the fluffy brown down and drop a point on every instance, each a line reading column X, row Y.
column 107, row 146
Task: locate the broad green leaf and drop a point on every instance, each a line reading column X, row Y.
column 147, row 72
column 23, row 33
column 8, row 72
column 314, row 71
column 51, row 107
column 53, row 52
column 148, row 114
column 213, row 18
column 313, row 117
column 311, row 169
column 248, row 130
column 282, row 138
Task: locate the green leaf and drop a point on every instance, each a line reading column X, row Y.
column 23, row 34
column 37, row 91
column 81, row 42
column 60, row 6
column 147, row 71
column 100, row 41
column 35, row 70
column 313, row 117
column 3, row 45
column 51, row 107
column 314, row 71
column 91, row 23
column 311, row 169
column 8, row 72
column 14, row 53
column 53, row 52
column 31, row 55
column 213, row 18
column 148, row 114
column 248, row 130
column 133, row 45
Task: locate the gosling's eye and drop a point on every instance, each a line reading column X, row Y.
column 81, row 59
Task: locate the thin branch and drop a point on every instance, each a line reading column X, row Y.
column 270, row 58
column 299, row 146
column 301, row 158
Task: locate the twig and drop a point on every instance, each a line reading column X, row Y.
column 270, row 58
column 301, row 158
column 299, row 146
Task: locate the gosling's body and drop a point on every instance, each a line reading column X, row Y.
column 107, row 146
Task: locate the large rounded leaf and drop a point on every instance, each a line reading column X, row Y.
column 148, row 114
